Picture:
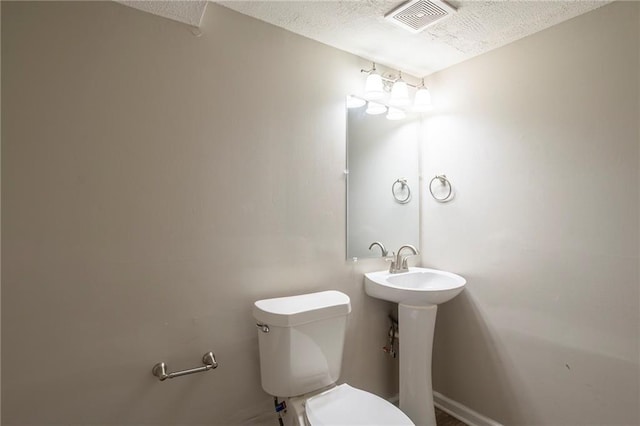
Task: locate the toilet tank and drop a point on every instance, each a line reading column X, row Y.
column 301, row 340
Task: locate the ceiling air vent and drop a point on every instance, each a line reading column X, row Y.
column 416, row 15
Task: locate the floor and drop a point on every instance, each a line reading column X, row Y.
column 443, row 419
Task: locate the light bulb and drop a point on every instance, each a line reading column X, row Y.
column 395, row 114
column 399, row 94
column 375, row 108
column 355, row 102
column 422, row 101
column 373, row 87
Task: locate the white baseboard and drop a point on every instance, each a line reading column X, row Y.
column 462, row 412
column 455, row 409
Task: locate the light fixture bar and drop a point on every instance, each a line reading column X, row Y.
column 389, row 93
column 392, row 78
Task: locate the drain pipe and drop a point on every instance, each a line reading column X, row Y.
column 392, row 335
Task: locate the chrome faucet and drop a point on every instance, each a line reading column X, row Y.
column 400, row 263
column 385, row 253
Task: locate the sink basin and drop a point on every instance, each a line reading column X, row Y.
column 418, row 287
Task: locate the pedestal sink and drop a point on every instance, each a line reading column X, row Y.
column 418, row 293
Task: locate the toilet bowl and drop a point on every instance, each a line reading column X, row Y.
column 301, row 340
column 346, row 405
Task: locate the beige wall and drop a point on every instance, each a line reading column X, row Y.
column 154, row 185
column 540, row 139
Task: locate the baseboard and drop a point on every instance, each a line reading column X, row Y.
column 462, row 412
column 455, row 409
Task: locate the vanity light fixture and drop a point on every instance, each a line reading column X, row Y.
column 355, row 102
column 373, row 87
column 377, row 86
column 395, row 114
column 399, row 92
column 375, row 108
column 422, row 99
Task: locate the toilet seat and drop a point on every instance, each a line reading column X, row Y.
column 345, row 405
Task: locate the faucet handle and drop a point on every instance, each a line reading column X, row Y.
column 405, row 265
column 401, row 262
column 391, row 258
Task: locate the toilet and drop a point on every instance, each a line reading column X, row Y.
column 301, row 340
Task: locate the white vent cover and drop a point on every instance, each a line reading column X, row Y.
column 416, row 15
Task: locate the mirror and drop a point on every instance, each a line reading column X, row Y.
column 383, row 166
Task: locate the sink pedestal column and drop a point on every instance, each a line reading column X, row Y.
column 416, row 325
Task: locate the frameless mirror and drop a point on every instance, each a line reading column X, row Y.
column 382, row 182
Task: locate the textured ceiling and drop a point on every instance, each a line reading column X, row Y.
column 359, row 27
column 188, row 11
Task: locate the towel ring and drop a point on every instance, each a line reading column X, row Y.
column 444, row 181
column 403, row 183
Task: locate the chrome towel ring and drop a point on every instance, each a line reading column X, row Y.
column 403, row 184
column 445, row 182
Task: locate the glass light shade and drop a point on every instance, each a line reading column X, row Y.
column 395, row 114
column 399, row 94
column 422, row 101
column 373, row 88
column 355, row 102
column 375, row 108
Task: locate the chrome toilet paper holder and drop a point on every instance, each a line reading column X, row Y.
column 160, row 369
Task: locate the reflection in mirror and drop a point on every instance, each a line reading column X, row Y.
column 382, row 182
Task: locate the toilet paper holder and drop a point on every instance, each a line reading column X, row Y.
column 160, row 369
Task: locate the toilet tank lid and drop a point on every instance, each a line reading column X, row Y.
column 301, row 309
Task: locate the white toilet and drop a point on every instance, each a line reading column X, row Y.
column 301, row 339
